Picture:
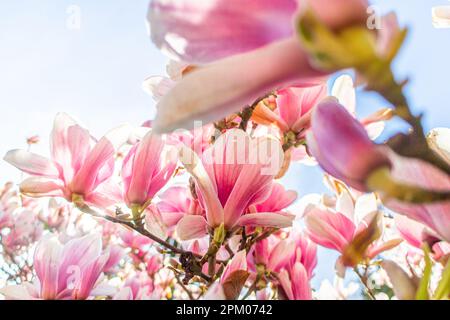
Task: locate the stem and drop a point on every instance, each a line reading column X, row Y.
column 189, row 293
column 364, row 279
column 140, row 229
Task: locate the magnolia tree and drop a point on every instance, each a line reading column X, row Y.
column 159, row 212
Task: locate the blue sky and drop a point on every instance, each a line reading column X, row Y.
column 95, row 73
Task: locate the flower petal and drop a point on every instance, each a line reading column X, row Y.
column 31, row 163
column 199, row 31
column 243, row 79
column 191, row 227
column 42, row 187
column 266, row 219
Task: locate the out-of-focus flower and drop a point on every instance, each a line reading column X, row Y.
column 258, row 40
column 343, row 149
column 441, row 16
column 9, row 202
column 55, row 214
column 353, row 228
column 416, row 234
column 68, row 271
column 344, row 90
column 341, row 145
column 78, row 165
column 25, row 229
column 139, row 287
column 33, row 140
column 146, row 169
column 222, row 178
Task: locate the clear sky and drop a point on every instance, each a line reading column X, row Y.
column 95, row 72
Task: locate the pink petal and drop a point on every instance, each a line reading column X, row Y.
column 266, row 219
column 59, row 144
column 199, row 31
column 208, row 191
column 239, row 262
column 281, row 254
column 46, row 264
column 341, row 145
column 144, row 164
column 31, row 163
column 192, row 227
column 41, row 187
column 76, row 253
column 418, row 173
column 90, row 275
column 331, row 230
column 243, row 79
column 300, row 283
column 86, row 179
column 410, row 230
column 339, row 13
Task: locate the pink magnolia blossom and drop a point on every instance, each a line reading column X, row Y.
column 278, row 200
column 9, row 202
column 25, row 229
column 139, row 287
column 146, row 169
column 416, row 234
column 293, row 107
column 256, row 42
column 305, row 252
column 69, row 271
column 273, row 253
column 175, row 203
column 337, row 228
column 294, row 281
column 78, row 165
column 343, row 149
column 341, row 145
column 222, row 178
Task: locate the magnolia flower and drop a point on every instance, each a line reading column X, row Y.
column 343, row 149
column 222, row 178
column 341, row 145
column 273, row 254
column 25, row 229
column 146, row 169
column 305, row 252
column 416, row 234
column 340, row 228
column 441, row 16
column 78, row 165
column 69, row 271
column 139, row 287
column 295, row 282
column 278, row 200
column 256, row 41
column 9, row 202
column 175, row 203
column 293, row 108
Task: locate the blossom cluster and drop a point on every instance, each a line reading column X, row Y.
column 191, row 205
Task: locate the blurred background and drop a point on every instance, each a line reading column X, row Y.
column 89, row 58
